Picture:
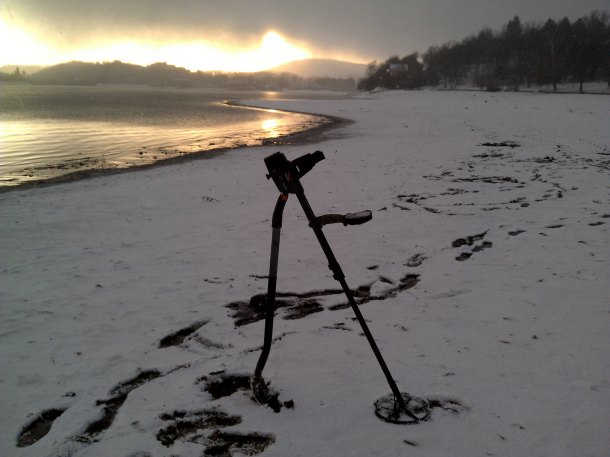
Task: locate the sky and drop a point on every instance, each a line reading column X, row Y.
column 248, row 35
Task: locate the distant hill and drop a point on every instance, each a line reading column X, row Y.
column 162, row 74
column 28, row 69
column 110, row 73
column 311, row 68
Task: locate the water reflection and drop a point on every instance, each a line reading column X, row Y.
column 271, row 127
column 52, row 131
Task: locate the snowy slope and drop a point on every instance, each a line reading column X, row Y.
column 499, row 202
column 315, row 68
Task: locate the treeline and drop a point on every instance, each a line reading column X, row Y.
column 162, row 74
column 518, row 55
column 15, row 76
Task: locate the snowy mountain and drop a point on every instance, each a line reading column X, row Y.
column 309, row 68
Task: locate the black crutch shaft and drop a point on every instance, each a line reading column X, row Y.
column 339, row 276
column 276, row 224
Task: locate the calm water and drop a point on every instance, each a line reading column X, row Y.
column 48, row 131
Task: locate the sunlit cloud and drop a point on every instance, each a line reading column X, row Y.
column 267, row 51
column 19, row 48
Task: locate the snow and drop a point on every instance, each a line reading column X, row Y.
column 96, row 273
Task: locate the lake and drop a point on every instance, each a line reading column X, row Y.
column 50, row 131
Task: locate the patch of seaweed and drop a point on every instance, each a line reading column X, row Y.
column 39, row 427
column 178, row 337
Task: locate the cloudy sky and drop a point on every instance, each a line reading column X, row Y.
column 203, row 34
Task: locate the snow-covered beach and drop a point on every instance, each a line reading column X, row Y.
column 484, row 277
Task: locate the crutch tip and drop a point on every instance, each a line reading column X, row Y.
column 416, row 409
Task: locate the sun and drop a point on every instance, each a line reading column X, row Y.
column 275, row 50
column 268, row 51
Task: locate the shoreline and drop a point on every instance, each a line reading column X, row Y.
column 307, row 136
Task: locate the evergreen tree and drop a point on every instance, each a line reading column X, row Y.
column 550, row 53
